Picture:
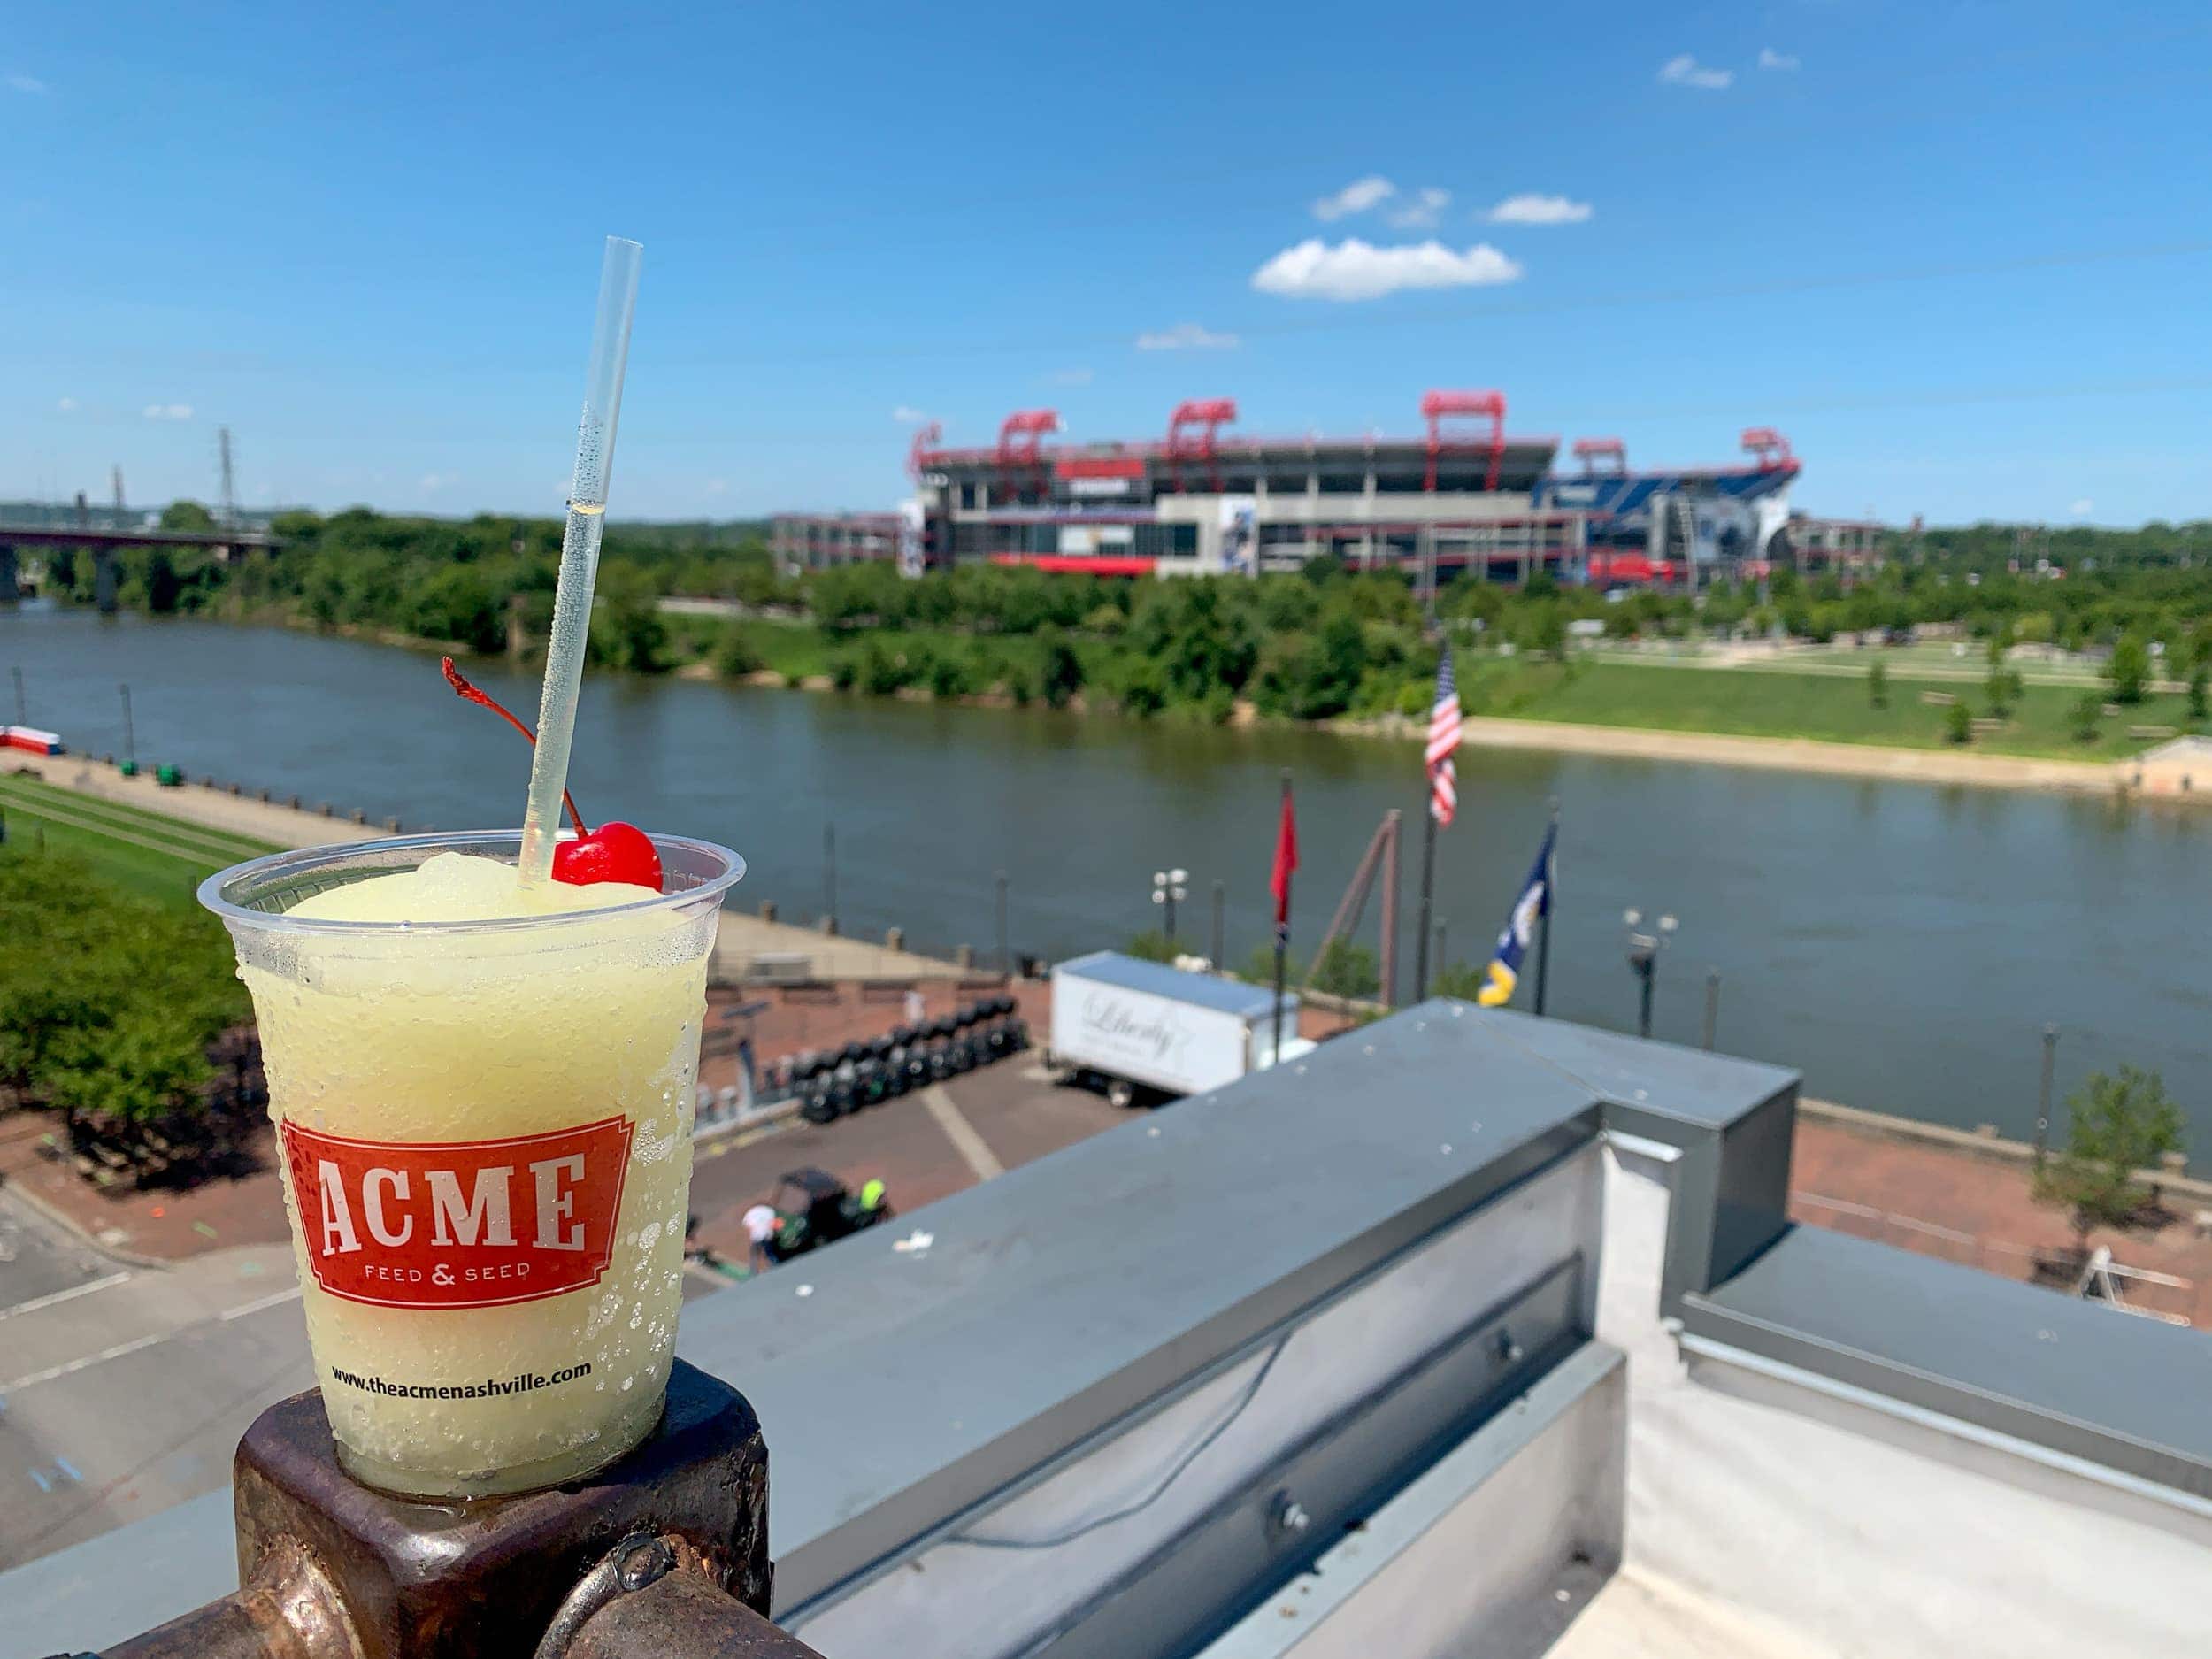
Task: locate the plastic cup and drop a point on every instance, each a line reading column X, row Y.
column 485, row 1129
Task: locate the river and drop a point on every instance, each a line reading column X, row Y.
column 1901, row 944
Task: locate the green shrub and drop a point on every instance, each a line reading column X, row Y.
column 1151, row 946
column 949, row 675
column 2130, row 669
column 734, row 655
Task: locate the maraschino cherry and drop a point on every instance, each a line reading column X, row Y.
column 615, row 851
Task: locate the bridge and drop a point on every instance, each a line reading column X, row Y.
column 231, row 543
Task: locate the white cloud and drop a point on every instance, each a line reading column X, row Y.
column 907, row 415
column 430, row 483
column 1422, row 212
column 2083, row 508
column 718, row 486
column 1354, row 270
column 1529, row 208
column 1769, row 59
column 27, row 83
column 1070, row 376
column 1685, row 70
column 1185, row 337
column 66, row 404
column 1356, row 197
column 168, row 412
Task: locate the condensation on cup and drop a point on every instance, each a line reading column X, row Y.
column 484, row 1121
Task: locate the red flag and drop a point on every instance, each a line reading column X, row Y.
column 1286, row 860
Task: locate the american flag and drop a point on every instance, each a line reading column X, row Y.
column 1443, row 740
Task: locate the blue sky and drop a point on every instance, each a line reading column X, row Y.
column 1960, row 253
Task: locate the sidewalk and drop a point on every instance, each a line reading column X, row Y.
column 1976, row 1210
column 740, row 938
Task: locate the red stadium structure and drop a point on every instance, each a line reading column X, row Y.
column 1437, row 406
column 926, row 439
column 1021, row 437
column 1208, row 416
column 1769, row 449
column 1588, row 451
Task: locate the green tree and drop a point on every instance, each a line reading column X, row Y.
column 1259, row 968
column 2129, row 672
column 163, row 583
column 1152, row 945
column 2086, row 716
column 2117, row 1126
column 108, row 1003
column 2005, row 688
column 457, row 604
column 1958, row 723
column 186, row 516
column 1346, row 969
column 1461, row 979
column 626, row 629
column 2199, row 678
column 1198, row 635
column 1877, row 684
column 1059, row 670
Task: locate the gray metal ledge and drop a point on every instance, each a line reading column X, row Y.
column 2087, row 1381
column 1054, row 1301
column 1733, row 1122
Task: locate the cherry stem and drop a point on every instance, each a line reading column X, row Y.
column 461, row 684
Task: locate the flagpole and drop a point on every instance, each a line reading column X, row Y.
column 1282, row 944
column 1428, row 886
column 1551, row 897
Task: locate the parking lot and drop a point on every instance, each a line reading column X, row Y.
column 123, row 1385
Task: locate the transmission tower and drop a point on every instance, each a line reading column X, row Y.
column 115, row 475
column 230, row 493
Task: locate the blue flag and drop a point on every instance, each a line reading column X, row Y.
column 1520, row 928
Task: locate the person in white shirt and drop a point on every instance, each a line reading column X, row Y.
column 760, row 1227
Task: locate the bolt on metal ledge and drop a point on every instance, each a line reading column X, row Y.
column 664, row 1553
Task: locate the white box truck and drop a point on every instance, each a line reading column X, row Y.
column 1129, row 1027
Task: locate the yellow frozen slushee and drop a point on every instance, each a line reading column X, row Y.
column 483, row 1093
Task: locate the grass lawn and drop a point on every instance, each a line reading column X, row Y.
column 157, row 858
column 1772, row 704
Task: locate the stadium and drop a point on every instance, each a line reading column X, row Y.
column 1465, row 495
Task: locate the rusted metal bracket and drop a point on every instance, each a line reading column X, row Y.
column 664, row 1553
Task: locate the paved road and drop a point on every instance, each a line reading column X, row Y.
column 124, row 1389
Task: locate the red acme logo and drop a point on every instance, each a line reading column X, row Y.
column 460, row 1223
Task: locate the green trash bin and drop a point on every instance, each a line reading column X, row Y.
column 169, row 776
column 129, row 768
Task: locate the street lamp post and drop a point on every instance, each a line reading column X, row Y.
column 1643, row 960
column 2043, row 1097
column 130, row 737
column 1167, row 886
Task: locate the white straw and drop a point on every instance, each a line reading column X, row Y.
column 579, row 556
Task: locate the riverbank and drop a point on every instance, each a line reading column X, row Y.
column 1797, row 754
column 246, row 821
column 1814, row 716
